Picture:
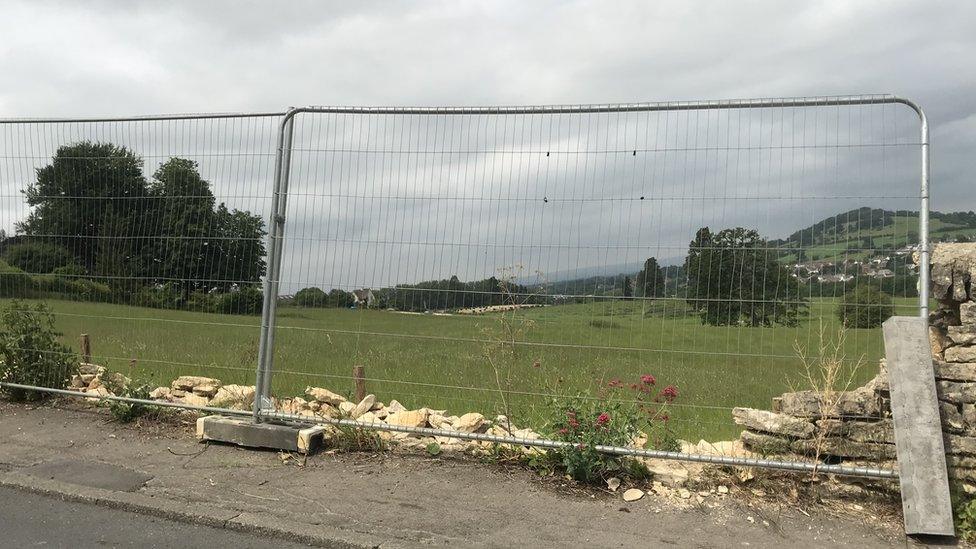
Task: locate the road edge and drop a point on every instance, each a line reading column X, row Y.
column 191, row 513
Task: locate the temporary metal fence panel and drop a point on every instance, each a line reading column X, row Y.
column 670, row 260
column 147, row 234
column 478, row 259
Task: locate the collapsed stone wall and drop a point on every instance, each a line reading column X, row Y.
column 855, row 426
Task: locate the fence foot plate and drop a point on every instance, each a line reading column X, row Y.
column 243, row 432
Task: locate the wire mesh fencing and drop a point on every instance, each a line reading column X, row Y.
column 660, row 263
column 633, row 271
column 142, row 241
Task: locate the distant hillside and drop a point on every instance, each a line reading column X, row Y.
column 856, row 235
column 859, row 233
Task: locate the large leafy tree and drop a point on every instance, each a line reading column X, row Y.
column 650, row 281
column 93, row 200
column 86, row 190
column 183, row 218
column 734, row 278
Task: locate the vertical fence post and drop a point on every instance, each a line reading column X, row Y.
column 86, row 355
column 359, row 376
column 262, row 382
column 923, row 222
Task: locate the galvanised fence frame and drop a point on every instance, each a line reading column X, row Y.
column 263, row 410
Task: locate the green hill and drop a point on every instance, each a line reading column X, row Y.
column 864, row 232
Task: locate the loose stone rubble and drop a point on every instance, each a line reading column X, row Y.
column 857, row 427
column 319, row 402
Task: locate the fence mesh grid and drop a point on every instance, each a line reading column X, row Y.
column 145, row 234
column 520, row 264
column 667, row 263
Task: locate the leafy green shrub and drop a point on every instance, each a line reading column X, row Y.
column 72, row 270
column 125, row 412
column 865, row 307
column 246, row 301
column 617, row 418
column 202, row 301
column 164, row 296
column 340, row 298
column 965, row 514
column 38, row 257
column 30, row 351
column 79, row 288
column 311, row 297
column 14, row 282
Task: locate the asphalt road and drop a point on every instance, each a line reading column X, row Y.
column 30, row 520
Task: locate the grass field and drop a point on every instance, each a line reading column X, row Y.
column 440, row 361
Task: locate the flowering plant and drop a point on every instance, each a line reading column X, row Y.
column 621, row 415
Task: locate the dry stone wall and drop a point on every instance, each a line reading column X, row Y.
column 855, row 426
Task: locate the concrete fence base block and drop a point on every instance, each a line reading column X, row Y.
column 243, row 432
column 918, row 428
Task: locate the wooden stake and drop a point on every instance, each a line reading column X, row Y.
column 86, row 355
column 359, row 375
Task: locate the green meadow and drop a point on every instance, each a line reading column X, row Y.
column 469, row 362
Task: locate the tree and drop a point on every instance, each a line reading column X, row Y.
column 650, row 280
column 38, row 257
column 865, row 307
column 733, row 278
column 86, row 186
column 183, row 205
column 626, row 289
column 311, row 297
column 94, row 200
column 237, row 252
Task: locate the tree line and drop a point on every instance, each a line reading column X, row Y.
column 162, row 241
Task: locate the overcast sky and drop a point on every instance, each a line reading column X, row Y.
column 120, row 58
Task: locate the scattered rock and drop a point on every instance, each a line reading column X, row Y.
column 346, row 408
column 670, row 472
column 90, row 369
column 633, row 494
column 395, row 407
column 408, row 418
column 205, row 390
column 765, row 444
column 438, row 421
column 365, row 405
column 770, row 422
column 324, row 396
column 160, row 393
column 235, row 397
column 859, row 431
column 723, row 489
column 613, row 483
column 195, row 400
column 368, row 417
column 187, row 383
column 860, row 402
column 470, row 423
column 845, row 448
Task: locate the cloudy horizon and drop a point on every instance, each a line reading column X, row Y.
column 363, row 212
